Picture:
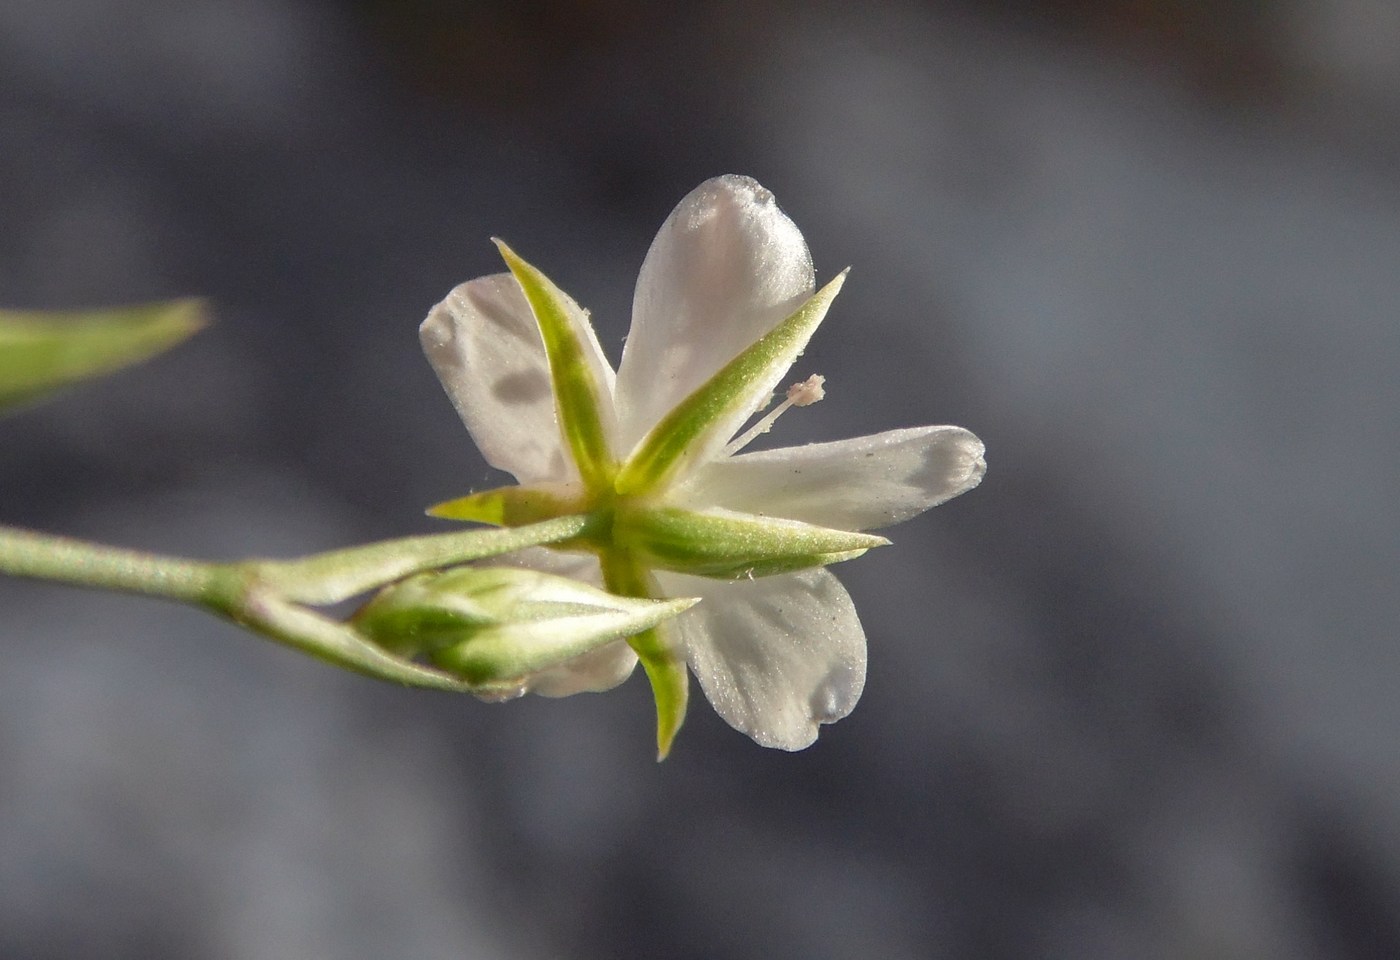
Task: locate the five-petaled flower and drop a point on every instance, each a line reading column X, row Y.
column 724, row 305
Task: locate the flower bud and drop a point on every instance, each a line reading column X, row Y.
column 495, row 626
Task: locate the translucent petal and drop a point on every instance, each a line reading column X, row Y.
column 699, row 427
column 595, row 671
column 777, row 657
column 485, row 347
column 725, row 268
column 858, row 484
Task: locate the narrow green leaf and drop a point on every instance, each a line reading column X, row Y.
column 326, row 578
column 705, row 420
column 583, row 406
column 41, row 352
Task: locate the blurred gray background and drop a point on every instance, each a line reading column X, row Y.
column 1136, row 696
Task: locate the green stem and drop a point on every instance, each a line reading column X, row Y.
column 45, row 557
column 274, row 597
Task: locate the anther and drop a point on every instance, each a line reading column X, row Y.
column 802, row 394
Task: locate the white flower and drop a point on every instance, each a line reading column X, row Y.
column 725, row 303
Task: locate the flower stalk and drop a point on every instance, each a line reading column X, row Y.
column 277, row 598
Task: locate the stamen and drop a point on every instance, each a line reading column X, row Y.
column 807, row 392
column 802, row 394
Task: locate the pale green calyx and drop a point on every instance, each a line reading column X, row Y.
column 651, row 455
column 495, row 626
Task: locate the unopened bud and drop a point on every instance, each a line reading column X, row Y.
column 495, row 626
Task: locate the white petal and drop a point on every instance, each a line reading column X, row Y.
column 595, row 671
column 858, row 484
column 726, row 267
column 485, row 346
column 777, row 656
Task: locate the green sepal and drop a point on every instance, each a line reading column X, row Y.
column 41, row 352
column 706, row 419
column 661, row 659
column 495, row 626
column 511, row 506
column 731, row 546
column 670, row 686
column 579, row 398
